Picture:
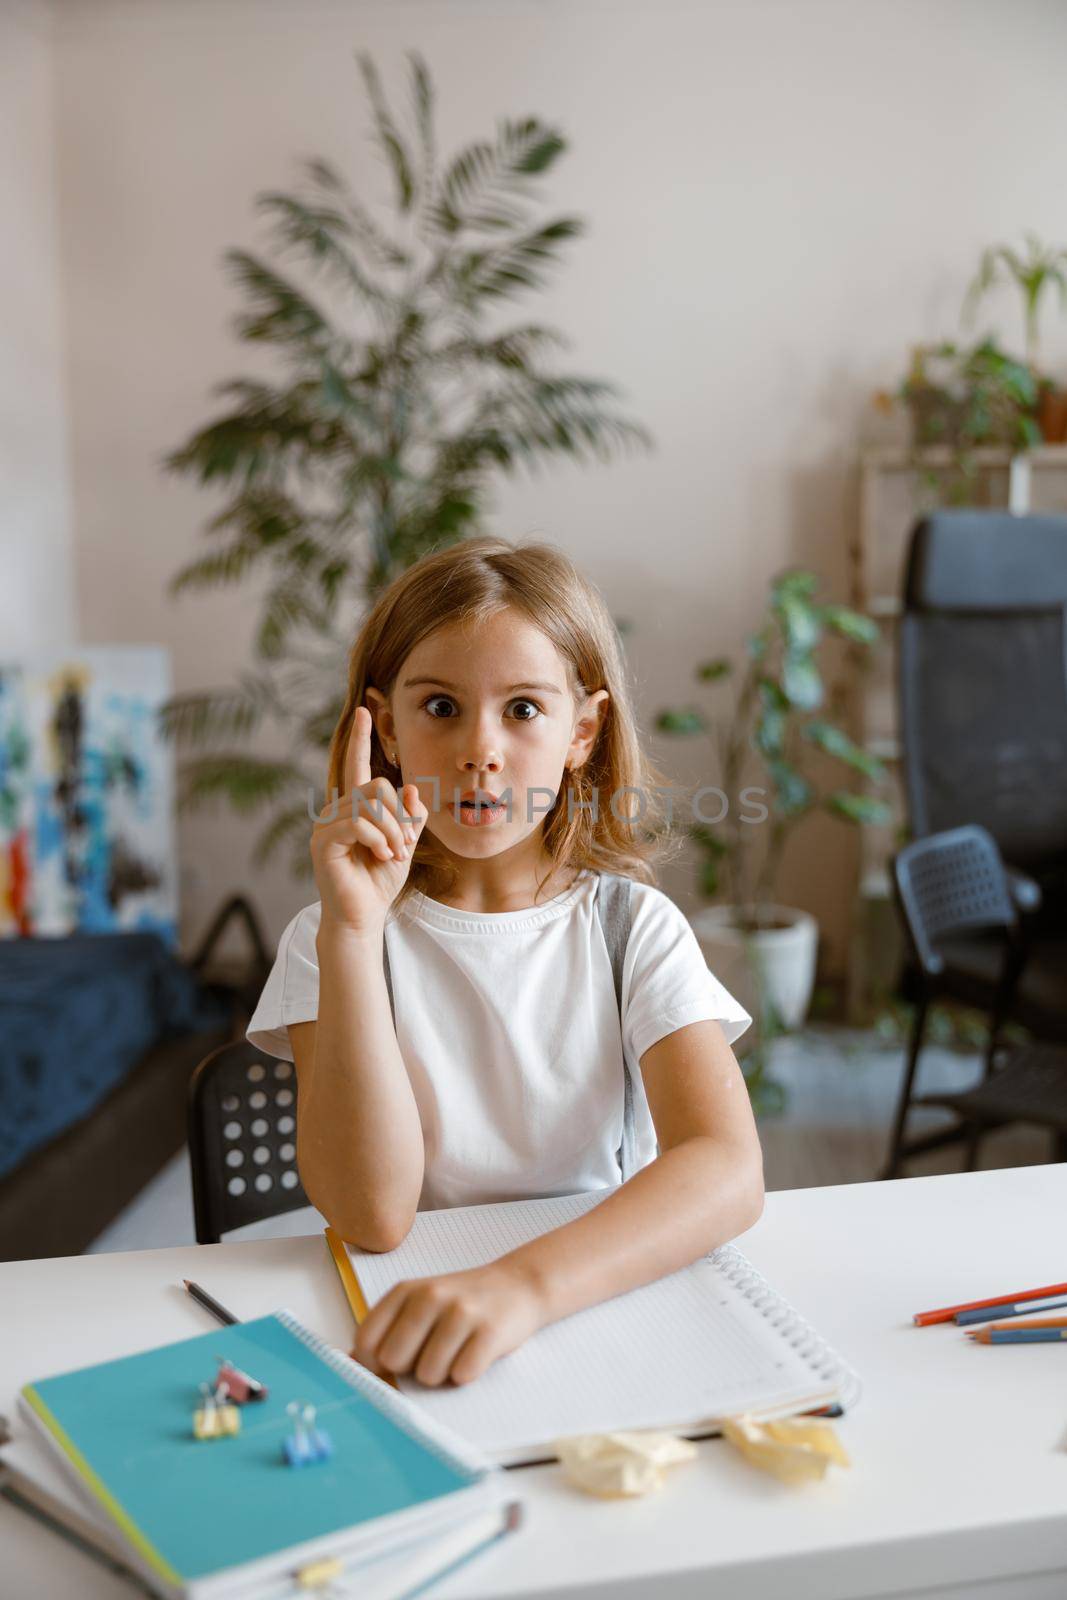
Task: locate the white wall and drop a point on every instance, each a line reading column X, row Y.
column 36, row 566
column 781, row 197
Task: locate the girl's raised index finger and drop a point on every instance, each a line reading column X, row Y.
column 357, row 756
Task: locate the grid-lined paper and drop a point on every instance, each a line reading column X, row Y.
column 677, row 1353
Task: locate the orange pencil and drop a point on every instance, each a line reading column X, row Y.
column 947, row 1313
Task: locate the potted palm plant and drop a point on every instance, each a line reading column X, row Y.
column 764, row 951
column 399, row 391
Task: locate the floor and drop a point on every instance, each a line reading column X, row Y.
column 842, row 1087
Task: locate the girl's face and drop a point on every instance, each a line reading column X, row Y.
column 486, row 710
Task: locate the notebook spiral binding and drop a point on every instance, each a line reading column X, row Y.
column 824, row 1361
column 453, row 1452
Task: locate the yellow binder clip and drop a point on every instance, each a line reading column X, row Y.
column 318, row 1575
column 215, row 1419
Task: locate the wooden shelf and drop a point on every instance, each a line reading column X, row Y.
column 900, row 458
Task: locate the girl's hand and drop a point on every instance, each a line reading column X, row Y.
column 450, row 1327
column 361, row 860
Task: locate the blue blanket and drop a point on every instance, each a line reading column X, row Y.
column 76, row 1016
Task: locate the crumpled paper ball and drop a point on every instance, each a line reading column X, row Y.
column 616, row 1464
column 795, row 1449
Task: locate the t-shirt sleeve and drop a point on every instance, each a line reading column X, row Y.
column 666, row 981
column 291, row 992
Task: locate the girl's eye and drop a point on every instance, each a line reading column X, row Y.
column 427, row 703
column 436, row 698
column 535, row 707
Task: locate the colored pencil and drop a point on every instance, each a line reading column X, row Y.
column 922, row 1319
column 1029, row 1322
column 346, row 1273
column 350, row 1283
column 1019, row 1309
column 1017, row 1335
column 209, row 1303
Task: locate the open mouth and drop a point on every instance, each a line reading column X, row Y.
column 480, row 812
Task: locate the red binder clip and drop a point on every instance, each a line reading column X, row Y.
column 241, row 1387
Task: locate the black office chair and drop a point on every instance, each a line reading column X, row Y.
column 983, row 716
column 242, row 1140
column 950, row 885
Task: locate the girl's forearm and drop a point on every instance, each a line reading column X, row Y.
column 695, row 1196
column 361, row 1152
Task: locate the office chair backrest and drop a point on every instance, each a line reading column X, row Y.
column 242, row 1140
column 983, row 684
column 950, row 884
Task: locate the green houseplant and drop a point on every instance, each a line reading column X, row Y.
column 965, row 398
column 394, row 405
column 776, row 723
column 1035, row 271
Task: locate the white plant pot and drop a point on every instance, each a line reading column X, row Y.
column 785, row 956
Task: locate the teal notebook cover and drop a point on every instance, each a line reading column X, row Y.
column 195, row 1506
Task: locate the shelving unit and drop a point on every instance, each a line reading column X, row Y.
column 897, row 487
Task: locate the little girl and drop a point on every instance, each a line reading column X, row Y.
column 449, row 1001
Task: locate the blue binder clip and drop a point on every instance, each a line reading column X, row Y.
column 306, row 1443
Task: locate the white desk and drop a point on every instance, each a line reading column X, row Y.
column 959, row 1477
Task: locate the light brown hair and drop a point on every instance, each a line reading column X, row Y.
column 469, row 582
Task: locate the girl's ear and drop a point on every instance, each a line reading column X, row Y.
column 384, row 725
column 587, row 728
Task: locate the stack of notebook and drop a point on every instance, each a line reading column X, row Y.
column 414, row 1486
column 108, row 1452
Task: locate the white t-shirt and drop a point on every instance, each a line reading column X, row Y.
column 508, row 1026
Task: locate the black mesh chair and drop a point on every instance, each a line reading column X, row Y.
column 950, row 885
column 242, row 1140
column 983, row 716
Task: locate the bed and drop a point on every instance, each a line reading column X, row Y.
column 99, row 1034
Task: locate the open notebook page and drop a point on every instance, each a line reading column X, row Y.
column 677, row 1353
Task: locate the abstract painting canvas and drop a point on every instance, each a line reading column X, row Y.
column 87, row 838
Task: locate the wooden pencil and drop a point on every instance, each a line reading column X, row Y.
column 345, row 1271
column 1031, row 1322
column 1017, row 1336
column 209, row 1303
column 947, row 1313
column 351, row 1285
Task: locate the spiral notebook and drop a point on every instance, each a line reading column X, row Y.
column 400, row 1498
column 706, row 1342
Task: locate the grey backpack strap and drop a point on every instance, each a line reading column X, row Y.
column 388, row 977
column 613, row 909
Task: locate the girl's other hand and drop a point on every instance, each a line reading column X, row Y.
column 453, row 1327
column 361, row 858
